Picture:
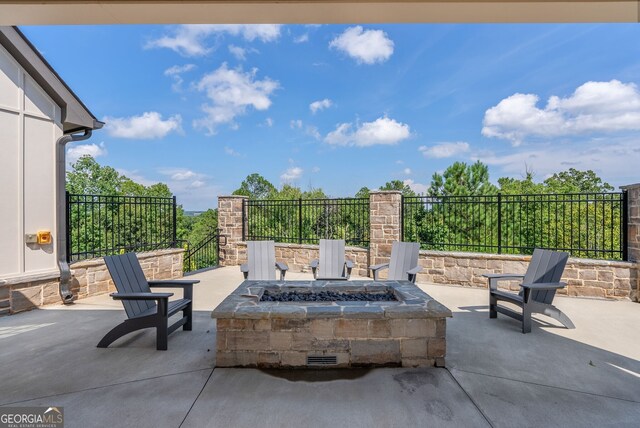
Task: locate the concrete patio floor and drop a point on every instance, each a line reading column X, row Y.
column 495, row 375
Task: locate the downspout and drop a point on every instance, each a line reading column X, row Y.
column 61, row 213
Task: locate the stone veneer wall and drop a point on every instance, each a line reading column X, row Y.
column 89, row 278
column 298, row 256
column 584, row 277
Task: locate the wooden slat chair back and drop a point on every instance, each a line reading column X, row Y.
column 404, row 257
column 128, row 277
column 332, row 258
column 261, row 260
column 546, row 266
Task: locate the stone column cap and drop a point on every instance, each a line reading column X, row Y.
column 233, row 197
column 630, row 186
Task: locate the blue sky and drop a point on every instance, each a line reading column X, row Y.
column 345, row 106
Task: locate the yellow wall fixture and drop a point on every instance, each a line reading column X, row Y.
column 44, row 237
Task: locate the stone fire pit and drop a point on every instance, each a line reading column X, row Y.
column 307, row 332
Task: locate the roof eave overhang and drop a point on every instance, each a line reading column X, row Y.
column 43, row 12
column 75, row 115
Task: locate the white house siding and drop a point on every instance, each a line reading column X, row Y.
column 30, row 124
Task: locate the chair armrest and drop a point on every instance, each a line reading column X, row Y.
column 377, row 268
column 244, row 268
column 505, row 276
column 173, row 283
column 314, row 267
column 495, row 277
column 140, row 296
column 413, row 273
column 415, row 270
column 283, row 268
column 545, row 285
column 349, row 265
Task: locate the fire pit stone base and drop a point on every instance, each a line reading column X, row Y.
column 409, row 332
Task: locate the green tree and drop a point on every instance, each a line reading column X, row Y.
column 461, row 179
column 256, row 186
column 575, row 181
column 203, row 226
column 398, row 185
column 363, row 192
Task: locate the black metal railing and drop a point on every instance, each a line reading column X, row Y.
column 99, row 225
column 589, row 225
column 202, row 255
column 306, row 221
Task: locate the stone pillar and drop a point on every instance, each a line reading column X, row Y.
column 230, row 224
column 633, row 231
column 385, row 209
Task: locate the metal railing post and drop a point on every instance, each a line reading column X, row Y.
column 401, row 217
column 625, row 225
column 300, row 221
column 67, row 222
column 499, row 223
column 175, row 222
column 244, row 220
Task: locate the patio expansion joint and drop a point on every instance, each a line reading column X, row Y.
column 545, row 385
column 204, row 385
column 110, row 385
column 477, row 406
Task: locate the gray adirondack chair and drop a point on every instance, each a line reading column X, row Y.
column 403, row 264
column 537, row 290
column 146, row 309
column 332, row 264
column 261, row 262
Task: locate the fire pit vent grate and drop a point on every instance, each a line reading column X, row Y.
column 321, row 360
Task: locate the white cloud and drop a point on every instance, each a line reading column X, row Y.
column 295, row 124
column 176, row 72
column 238, row 52
column 416, row 187
column 183, row 175
column 75, row 152
column 191, row 40
column 315, row 169
column 193, row 189
column 444, row 150
column 317, row 106
column 303, row 38
column 593, row 108
column 269, row 122
column 615, row 160
column 383, row 131
column 231, row 92
column 407, row 171
column 365, row 46
column 313, row 131
column 179, row 69
column 292, row 173
column 147, row 126
column 228, row 150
